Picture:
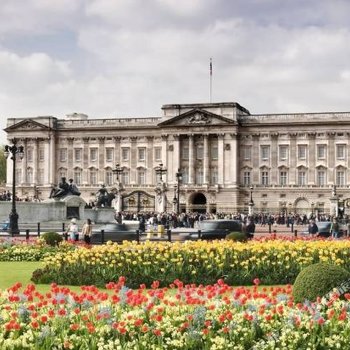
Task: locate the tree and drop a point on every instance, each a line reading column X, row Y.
column 2, row 165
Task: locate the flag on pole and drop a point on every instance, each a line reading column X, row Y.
column 211, row 67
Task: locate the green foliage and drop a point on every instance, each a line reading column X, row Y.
column 237, row 236
column 318, row 280
column 52, row 238
column 2, row 165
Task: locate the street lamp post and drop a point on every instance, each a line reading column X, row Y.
column 178, row 179
column 160, row 170
column 251, row 202
column 118, row 170
column 13, row 151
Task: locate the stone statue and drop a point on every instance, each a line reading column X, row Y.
column 61, row 191
column 104, row 199
column 334, row 190
column 73, row 188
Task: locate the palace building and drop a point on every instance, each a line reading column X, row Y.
column 226, row 156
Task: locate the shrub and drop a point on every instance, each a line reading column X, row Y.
column 237, row 236
column 52, row 238
column 318, row 280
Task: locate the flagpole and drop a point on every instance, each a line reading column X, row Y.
column 211, row 79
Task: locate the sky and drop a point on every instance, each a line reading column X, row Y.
column 127, row 58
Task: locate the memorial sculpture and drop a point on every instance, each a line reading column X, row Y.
column 64, row 189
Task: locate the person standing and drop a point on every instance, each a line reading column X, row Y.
column 335, row 229
column 73, row 230
column 313, row 228
column 250, row 229
column 87, row 231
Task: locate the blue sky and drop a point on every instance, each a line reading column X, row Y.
column 116, row 58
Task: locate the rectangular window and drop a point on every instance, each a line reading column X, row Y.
column 283, row 153
column 30, row 154
column 62, row 173
column 158, row 154
column 321, row 178
column 265, row 178
column 265, row 152
column 18, row 175
column 30, row 176
column 93, row 154
column 93, row 177
column 246, row 178
column 283, row 178
column 185, row 152
column 302, row 152
column 185, row 175
column 321, row 151
column 40, row 176
column 109, row 178
column 214, row 152
column 63, row 154
column 109, row 154
column 214, row 176
column 77, row 177
column 199, row 176
column 141, row 177
column 142, row 154
column 301, row 178
column 125, row 154
column 340, row 178
column 77, row 154
column 125, row 177
column 200, row 152
column 41, row 154
column 247, row 152
column 340, row 151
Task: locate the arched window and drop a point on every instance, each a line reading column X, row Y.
column 29, row 175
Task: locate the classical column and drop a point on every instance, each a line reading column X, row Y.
column 133, row 159
column 206, row 160
column 234, row 159
column 256, row 159
column 176, row 160
column 164, row 155
column 46, row 157
column 24, row 163
column 149, row 159
column 85, row 156
column 101, row 159
column 70, row 152
column 191, row 177
column 117, row 149
column 35, row 160
column 221, row 155
column 312, row 158
column 52, row 159
column 293, row 154
column 331, row 158
column 274, row 162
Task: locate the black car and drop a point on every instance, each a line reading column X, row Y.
column 214, row 229
column 113, row 232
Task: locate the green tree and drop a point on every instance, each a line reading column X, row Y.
column 2, row 165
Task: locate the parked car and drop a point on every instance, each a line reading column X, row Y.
column 113, row 232
column 324, row 229
column 5, row 225
column 214, row 229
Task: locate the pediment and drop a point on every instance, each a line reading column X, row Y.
column 197, row 117
column 27, row 124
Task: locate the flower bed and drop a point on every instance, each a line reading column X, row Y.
column 275, row 262
column 179, row 317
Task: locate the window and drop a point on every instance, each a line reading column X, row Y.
column 185, row 175
column 158, row 154
column 63, row 154
column 247, row 152
column 199, row 151
column 125, row 154
column 125, row 177
column 142, row 154
column 199, row 176
column 302, row 152
column 340, row 151
column 283, row 178
column 321, row 178
column 283, row 152
column 77, row 177
column 141, row 177
column 93, row 177
column 41, row 154
column 93, row 154
column 214, row 176
column 109, row 154
column 340, row 178
column 40, row 176
column 301, row 178
column 265, row 178
column 109, row 177
column 246, row 178
column 265, row 152
column 185, row 152
column 30, row 154
column 321, row 151
column 214, row 152
column 62, row 173
column 77, row 154
column 18, row 175
column 30, row 175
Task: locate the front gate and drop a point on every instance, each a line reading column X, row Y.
column 138, row 201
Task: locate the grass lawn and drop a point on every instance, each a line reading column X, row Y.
column 12, row 272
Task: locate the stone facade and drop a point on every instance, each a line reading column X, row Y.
column 291, row 161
